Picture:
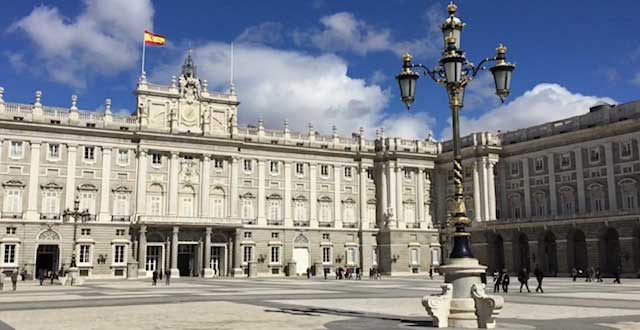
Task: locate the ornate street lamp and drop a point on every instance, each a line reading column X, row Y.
column 75, row 214
column 462, row 273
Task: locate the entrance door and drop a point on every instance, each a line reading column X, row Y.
column 47, row 258
column 186, row 259
column 301, row 257
column 217, row 256
column 154, row 258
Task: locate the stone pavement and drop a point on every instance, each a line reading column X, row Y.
column 390, row 303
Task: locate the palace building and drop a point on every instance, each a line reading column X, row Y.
column 179, row 186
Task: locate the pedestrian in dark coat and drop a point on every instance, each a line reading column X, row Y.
column 14, row 279
column 505, row 281
column 523, row 278
column 431, row 273
column 41, row 276
column 618, row 273
column 154, row 277
column 497, row 281
column 539, row 276
column 574, row 273
column 598, row 275
column 167, row 277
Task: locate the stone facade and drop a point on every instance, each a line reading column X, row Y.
column 179, row 186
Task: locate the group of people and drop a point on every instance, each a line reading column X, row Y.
column 590, row 274
column 155, row 276
column 348, row 273
column 44, row 274
column 501, row 280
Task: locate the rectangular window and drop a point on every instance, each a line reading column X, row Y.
column 370, row 174
column 325, row 236
column 407, row 174
column 50, row 203
column 275, row 254
column 247, row 234
column 156, row 205
column 539, row 164
column 594, row 155
column 11, row 230
column 351, row 256
column 121, row 204
column 299, row 168
column 12, row 201
column 89, row 153
column 324, row 170
column 85, row 231
column 273, row 167
column 247, row 164
column 16, row 149
column 247, row 254
column 88, row 202
column 118, row 254
column 218, row 163
column 515, row 168
column 625, row 149
column 565, row 160
column 347, row 172
column 120, row 232
column 85, row 254
column 54, row 151
column 9, row 254
column 275, row 235
column 123, row 156
column 156, row 159
column 218, row 206
column 414, row 257
column 326, row 255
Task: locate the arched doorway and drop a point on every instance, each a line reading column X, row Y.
column 521, row 253
column 548, row 253
column 609, row 251
column 301, row 254
column 497, row 253
column 47, row 252
column 577, row 251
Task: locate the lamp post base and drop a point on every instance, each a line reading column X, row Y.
column 463, row 302
column 73, row 277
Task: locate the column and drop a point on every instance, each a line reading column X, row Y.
column 399, row 198
column 313, row 199
column 337, row 201
column 208, row 272
column 383, row 194
column 230, row 259
column 70, row 185
column 427, row 199
column 477, row 212
column 141, row 182
column 391, row 187
column 142, row 251
column 484, row 200
column 174, row 167
column 261, row 193
column 362, row 190
column 237, row 257
column 287, row 195
column 105, row 184
column 233, row 184
column 420, row 198
column 34, row 174
column 553, row 203
column 492, row 191
column 580, row 181
column 204, row 186
column 611, row 178
column 174, row 253
column 527, row 188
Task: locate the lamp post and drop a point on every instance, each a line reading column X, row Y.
column 75, row 214
column 462, row 273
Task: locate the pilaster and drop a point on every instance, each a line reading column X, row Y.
column 492, row 191
column 313, row 196
column 208, row 272
column 476, row 193
column 174, row 252
column 337, row 200
column 141, row 182
column 142, row 251
column 399, row 174
column 205, row 174
column 287, row 195
column 553, row 199
column 527, row 188
column 71, row 176
column 484, row 196
column 105, row 184
column 580, row 181
column 362, row 190
column 34, row 175
column 234, row 187
column 611, row 178
column 427, row 200
column 391, row 178
column 174, row 167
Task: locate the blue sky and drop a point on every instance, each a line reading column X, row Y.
column 328, row 62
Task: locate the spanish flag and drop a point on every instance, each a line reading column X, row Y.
column 154, row 39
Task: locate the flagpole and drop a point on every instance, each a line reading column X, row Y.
column 143, row 54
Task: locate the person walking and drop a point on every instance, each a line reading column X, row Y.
column 326, row 271
column 154, row 277
column 574, row 273
column 2, row 278
column 505, row 281
column 618, row 273
column 497, row 281
column 523, row 278
column 539, row 274
column 167, row 277
column 431, row 273
column 41, row 276
column 14, row 279
column 598, row 275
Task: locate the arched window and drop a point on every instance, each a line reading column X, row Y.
column 51, row 199
column 299, row 209
column 568, row 200
column 596, row 197
column 217, row 203
column 247, row 207
column 349, row 214
column 275, row 207
column 629, row 191
column 155, row 198
column 325, row 209
column 539, row 204
column 87, row 195
column 515, row 206
column 371, row 210
column 187, row 201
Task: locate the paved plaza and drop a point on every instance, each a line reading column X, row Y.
column 390, row 303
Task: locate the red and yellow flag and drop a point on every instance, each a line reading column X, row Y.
column 154, row 39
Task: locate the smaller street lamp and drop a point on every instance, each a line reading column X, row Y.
column 75, row 214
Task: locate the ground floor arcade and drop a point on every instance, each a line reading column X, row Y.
column 558, row 247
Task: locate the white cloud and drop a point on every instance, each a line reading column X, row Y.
column 343, row 32
column 103, row 39
column 278, row 84
column 378, row 77
column 267, row 33
column 544, row 103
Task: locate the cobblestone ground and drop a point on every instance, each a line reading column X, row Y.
column 391, row 303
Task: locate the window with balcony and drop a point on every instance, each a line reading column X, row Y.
column 409, row 212
column 274, row 210
column 371, row 212
column 12, row 201
column 629, row 194
column 247, row 209
column 300, row 211
column 121, row 204
column 155, row 199
column 352, row 256
column 50, row 203
column 325, row 211
column 217, row 203
column 88, row 201
column 187, row 201
column 349, row 214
